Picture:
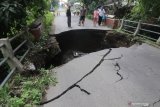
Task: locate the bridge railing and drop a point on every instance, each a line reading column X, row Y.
column 9, row 55
column 140, row 29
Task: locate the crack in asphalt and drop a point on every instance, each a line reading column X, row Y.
column 118, row 70
column 114, row 58
column 117, row 66
column 75, row 84
column 156, row 102
column 83, row 90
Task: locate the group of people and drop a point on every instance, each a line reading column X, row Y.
column 99, row 16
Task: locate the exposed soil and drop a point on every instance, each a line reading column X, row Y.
column 117, row 39
column 40, row 56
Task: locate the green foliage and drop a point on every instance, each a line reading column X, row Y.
column 90, row 16
column 48, row 18
column 26, row 91
column 16, row 102
column 11, row 14
column 4, row 95
column 145, row 9
column 15, row 14
column 92, row 4
column 92, row 7
column 87, row 2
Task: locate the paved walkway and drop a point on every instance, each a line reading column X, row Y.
column 60, row 23
column 129, row 78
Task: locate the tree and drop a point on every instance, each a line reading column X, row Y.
column 14, row 14
column 120, row 10
column 146, row 9
column 10, row 15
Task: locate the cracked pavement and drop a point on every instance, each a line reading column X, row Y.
column 126, row 76
column 78, row 81
column 139, row 67
column 118, row 68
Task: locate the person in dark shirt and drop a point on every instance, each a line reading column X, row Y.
column 68, row 14
column 82, row 16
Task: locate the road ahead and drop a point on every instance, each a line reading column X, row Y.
column 60, row 24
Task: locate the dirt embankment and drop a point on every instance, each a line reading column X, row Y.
column 116, row 39
column 40, row 56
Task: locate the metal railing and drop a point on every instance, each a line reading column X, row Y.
column 9, row 55
column 127, row 25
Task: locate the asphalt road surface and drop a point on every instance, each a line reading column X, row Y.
column 127, row 77
column 60, row 24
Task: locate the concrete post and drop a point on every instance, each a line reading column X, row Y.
column 7, row 51
column 138, row 27
column 158, row 41
column 121, row 24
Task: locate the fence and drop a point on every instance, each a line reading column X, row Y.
column 9, row 55
column 135, row 28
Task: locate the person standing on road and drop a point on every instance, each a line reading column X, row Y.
column 101, row 12
column 82, row 16
column 95, row 17
column 104, row 19
column 68, row 14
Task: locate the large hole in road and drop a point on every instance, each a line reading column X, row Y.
column 76, row 43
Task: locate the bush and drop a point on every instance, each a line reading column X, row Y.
column 89, row 16
column 15, row 14
column 48, row 18
column 26, row 91
column 145, row 9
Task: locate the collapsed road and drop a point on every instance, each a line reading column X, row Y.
column 127, row 77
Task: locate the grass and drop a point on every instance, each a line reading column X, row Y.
column 26, row 91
